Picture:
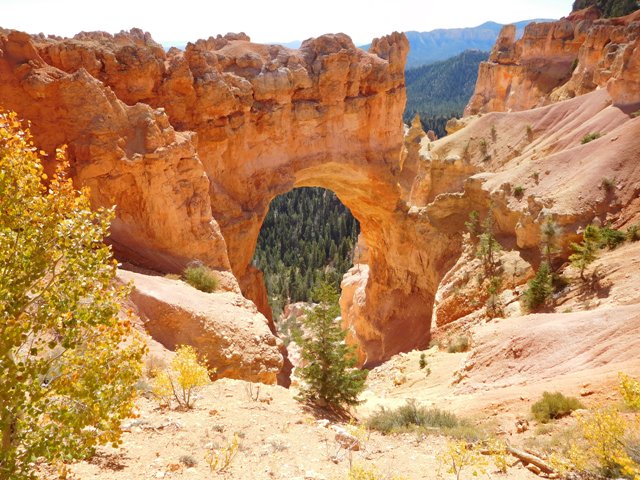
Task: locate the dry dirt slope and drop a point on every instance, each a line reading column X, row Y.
column 511, row 363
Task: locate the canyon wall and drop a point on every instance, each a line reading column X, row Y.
column 560, row 60
column 192, row 146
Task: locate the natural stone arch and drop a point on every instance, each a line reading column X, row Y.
column 266, row 119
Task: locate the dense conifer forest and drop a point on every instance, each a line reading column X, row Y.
column 441, row 90
column 307, row 236
column 609, row 8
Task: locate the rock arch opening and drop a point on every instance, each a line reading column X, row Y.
column 193, row 145
column 307, row 237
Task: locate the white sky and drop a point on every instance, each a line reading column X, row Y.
column 267, row 20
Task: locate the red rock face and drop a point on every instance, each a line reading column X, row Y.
column 129, row 156
column 560, row 60
column 266, row 119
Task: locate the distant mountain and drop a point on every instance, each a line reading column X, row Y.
column 429, row 47
column 441, row 90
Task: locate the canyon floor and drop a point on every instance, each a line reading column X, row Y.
column 511, row 362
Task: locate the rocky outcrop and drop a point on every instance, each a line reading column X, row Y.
column 193, row 145
column 224, row 327
column 129, row 156
column 267, row 119
column 559, row 60
column 530, row 166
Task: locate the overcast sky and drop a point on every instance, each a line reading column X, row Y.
column 267, row 20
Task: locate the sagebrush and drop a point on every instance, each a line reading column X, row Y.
column 413, row 416
column 554, row 405
column 201, row 277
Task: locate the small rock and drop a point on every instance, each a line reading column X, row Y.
column 522, row 425
column 533, row 469
column 324, row 423
column 399, row 379
column 160, row 474
column 585, row 392
column 311, row 475
column 346, row 440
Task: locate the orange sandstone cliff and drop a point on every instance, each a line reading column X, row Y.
column 560, row 60
column 193, row 145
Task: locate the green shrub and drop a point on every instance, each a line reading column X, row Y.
column 188, row 461
column 201, row 277
column 608, row 184
column 611, row 238
column 518, row 192
column 633, row 233
column 589, row 137
column 423, row 361
column 459, row 344
column 540, row 288
column 554, row 405
column 412, row 416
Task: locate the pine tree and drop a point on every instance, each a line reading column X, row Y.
column 331, row 379
column 549, row 242
column 473, row 226
column 488, row 247
column 540, row 288
column 585, row 251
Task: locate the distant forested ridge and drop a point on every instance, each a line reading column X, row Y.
column 609, row 8
column 443, row 43
column 441, row 90
column 307, row 236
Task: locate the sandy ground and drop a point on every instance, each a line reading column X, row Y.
column 578, row 350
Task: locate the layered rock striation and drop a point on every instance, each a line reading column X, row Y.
column 560, row 60
column 193, row 145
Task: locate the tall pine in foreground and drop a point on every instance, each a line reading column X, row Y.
column 330, row 377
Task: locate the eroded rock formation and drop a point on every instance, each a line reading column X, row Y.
column 267, row 119
column 224, row 327
column 560, row 60
column 192, row 146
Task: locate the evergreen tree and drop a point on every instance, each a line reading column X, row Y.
column 494, row 305
column 609, row 8
column 585, row 251
column 330, row 376
column 549, row 242
column 441, row 90
column 473, row 226
column 540, row 288
column 488, row 246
